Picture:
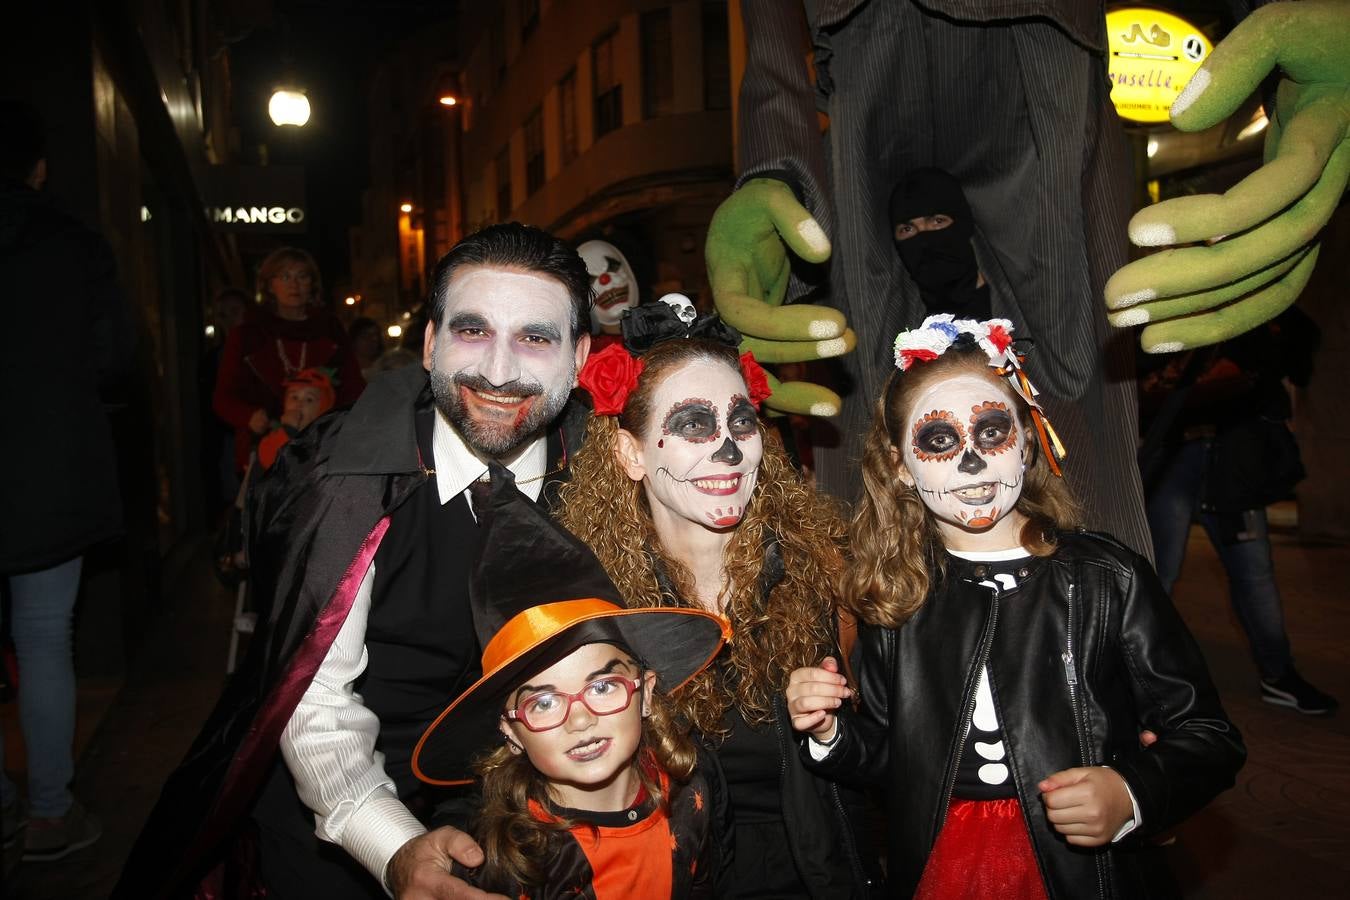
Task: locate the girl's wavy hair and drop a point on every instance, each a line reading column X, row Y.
column 894, row 541
column 791, row 628
column 516, row 842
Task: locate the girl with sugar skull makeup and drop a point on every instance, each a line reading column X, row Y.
column 689, row 502
column 1004, row 716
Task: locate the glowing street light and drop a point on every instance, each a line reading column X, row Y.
column 350, row 301
column 405, row 207
column 394, row 331
column 448, row 99
column 288, row 107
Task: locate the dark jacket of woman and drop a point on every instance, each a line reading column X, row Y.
column 1085, row 652
column 69, row 346
column 825, row 822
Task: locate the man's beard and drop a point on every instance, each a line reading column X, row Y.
column 490, row 435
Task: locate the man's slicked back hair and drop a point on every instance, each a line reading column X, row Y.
column 511, row 245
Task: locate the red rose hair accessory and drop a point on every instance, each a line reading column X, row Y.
column 756, row 379
column 939, row 333
column 609, row 377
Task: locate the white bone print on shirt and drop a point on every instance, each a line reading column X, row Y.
column 986, row 719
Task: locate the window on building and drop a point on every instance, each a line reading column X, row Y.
column 567, row 115
column 534, row 151
column 529, row 17
column 504, row 182
column 608, row 91
column 716, row 57
column 658, row 65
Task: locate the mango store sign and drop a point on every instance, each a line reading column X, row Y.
column 255, row 215
column 1153, row 55
column 258, row 199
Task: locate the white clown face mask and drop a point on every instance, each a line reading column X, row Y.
column 963, row 446
column 612, row 281
column 699, row 458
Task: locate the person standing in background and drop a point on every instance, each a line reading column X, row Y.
column 58, row 471
column 291, row 332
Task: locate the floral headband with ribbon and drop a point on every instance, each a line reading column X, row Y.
column 939, row 333
column 611, row 374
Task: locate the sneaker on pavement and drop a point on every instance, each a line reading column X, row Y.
column 1292, row 691
column 51, row 839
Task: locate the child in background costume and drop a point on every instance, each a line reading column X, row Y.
column 309, row 394
column 1006, row 712
column 592, row 791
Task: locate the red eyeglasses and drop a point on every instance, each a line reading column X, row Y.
column 549, row 709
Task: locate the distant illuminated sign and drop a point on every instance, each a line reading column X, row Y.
column 1153, row 55
column 255, row 215
column 255, row 199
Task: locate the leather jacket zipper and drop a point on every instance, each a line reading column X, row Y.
column 954, row 763
column 1079, row 721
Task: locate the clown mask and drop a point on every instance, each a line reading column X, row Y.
column 962, row 449
column 699, row 457
column 612, row 281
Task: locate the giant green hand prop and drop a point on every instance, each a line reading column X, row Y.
column 1203, row 295
column 748, row 268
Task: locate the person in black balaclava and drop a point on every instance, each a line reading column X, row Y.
column 932, row 227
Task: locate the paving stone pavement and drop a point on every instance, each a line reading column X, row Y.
column 1282, row 832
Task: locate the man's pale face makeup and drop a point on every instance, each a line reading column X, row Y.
column 505, row 358
column 699, row 458
column 962, row 446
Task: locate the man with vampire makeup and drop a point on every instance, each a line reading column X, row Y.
column 362, row 536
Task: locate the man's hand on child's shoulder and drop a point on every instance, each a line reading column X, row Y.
column 420, row 870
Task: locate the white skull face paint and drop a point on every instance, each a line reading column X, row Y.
column 683, row 306
column 962, row 446
column 612, row 281
column 700, row 455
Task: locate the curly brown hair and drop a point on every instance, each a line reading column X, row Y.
column 894, row 542
column 792, row 628
column 516, row 842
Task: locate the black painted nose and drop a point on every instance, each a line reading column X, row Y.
column 971, row 463
column 728, row 453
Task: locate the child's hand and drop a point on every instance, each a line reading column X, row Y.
column 812, row 696
column 1087, row 805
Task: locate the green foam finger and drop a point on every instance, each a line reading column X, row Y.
column 802, row 398
column 1304, row 148
column 1193, row 269
column 1189, row 304
column 1232, row 320
column 799, row 351
column 797, row 227
column 1306, row 39
column 796, row 322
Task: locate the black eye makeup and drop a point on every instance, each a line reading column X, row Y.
column 992, row 427
column 693, row 419
column 938, row 437
column 742, row 420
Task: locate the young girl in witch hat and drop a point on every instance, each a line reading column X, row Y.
column 591, row 791
column 1004, row 716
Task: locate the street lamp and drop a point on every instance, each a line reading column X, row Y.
column 405, row 207
column 447, row 99
column 394, row 331
column 288, row 107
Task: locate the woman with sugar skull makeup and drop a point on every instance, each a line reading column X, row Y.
column 688, row 503
column 1004, row 716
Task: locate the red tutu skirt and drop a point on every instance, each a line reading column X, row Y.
column 982, row 851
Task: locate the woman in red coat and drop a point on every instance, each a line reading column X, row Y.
column 290, row 332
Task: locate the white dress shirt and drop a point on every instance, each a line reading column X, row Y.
column 329, row 743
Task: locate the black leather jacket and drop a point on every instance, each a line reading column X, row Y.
column 1082, row 655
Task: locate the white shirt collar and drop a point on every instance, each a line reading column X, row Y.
column 991, row 555
column 457, row 465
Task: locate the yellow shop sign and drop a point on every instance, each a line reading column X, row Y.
column 1153, row 55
